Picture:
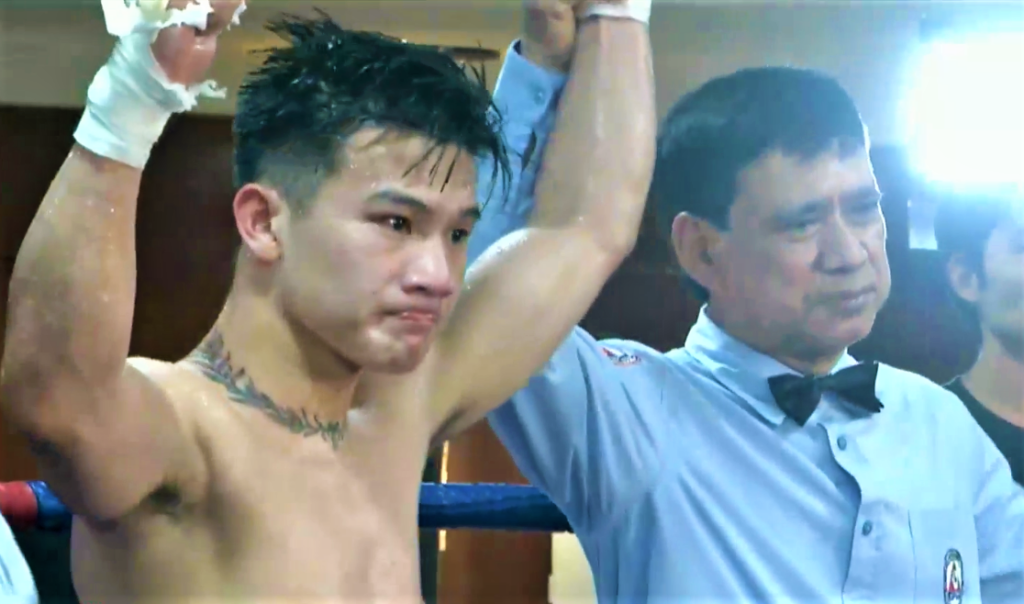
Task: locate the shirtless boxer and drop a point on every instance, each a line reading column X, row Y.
column 271, row 465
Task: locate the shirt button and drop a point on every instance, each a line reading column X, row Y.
column 841, row 443
column 866, row 528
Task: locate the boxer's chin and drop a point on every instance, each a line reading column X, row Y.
column 395, row 355
column 399, row 364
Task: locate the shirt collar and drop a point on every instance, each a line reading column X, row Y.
column 740, row 368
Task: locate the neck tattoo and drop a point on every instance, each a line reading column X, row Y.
column 213, row 359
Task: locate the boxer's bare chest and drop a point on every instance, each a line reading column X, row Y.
column 284, row 517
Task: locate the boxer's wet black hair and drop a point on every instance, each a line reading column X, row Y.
column 711, row 134
column 296, row 110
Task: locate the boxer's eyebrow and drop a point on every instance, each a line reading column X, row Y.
column 389, row 196
column 401, row 199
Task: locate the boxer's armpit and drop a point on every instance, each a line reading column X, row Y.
column 105, row 450
column 214, row 361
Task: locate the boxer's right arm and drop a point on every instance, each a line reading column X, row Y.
column 104, row 431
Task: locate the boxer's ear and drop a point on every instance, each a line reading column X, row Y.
column 259, row 211
column 693, row 240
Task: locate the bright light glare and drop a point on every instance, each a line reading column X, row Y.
column 966, row 111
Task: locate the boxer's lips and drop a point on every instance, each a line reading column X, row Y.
column 418, row 319
column 419, row 316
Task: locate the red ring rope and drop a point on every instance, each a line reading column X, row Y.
column 18, row 504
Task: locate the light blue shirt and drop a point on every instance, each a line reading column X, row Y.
column 16, row 585
column 685, row 482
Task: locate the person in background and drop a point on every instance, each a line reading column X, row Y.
column 16, row 584
column 981, row 239
column 759, row 462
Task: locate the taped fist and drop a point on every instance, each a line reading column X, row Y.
column 185, row 52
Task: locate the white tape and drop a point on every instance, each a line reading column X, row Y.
column 127, row 17
column 150, row 16
column 637, row 10
column 131, row 98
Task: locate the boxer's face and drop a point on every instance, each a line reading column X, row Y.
column 375, row 264
column 803, row 268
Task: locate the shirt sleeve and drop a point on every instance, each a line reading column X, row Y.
column 526, row 98
column 999, row 522
column 586, row 429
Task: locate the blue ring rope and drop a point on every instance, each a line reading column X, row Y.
column 442, row 506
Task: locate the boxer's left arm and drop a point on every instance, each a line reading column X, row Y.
column 526, row 293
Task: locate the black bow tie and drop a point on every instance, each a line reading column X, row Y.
column 798, row 395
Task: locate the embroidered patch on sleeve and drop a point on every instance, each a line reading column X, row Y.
column 620, row 358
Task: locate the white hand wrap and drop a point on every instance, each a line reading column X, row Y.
column 637, row 10
column 131, row 99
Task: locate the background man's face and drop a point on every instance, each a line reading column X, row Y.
column 1000, row 293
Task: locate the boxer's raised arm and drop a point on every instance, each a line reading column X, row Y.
column 103, row 430
column 525, row 294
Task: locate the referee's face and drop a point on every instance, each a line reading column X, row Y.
column 802, row 270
